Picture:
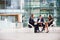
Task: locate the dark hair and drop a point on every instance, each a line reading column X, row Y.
column 39, row 15
column 31, row 15
column 50, row 16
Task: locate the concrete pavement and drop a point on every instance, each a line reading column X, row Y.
column 28, row 34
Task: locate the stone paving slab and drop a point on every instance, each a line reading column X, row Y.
column 28, row 34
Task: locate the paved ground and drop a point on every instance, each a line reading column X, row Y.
column 28, row 34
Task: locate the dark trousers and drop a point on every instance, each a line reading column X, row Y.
column 36, row 28
column 42, row 26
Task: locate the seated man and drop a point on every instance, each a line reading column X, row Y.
column 32, row 22
column 41, row 22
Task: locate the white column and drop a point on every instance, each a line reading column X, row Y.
column 54, row 3
column 21, row 4
column 55, row 11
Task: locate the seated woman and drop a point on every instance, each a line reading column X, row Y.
column 32, row 22
column 50, row 21
column 50, row 18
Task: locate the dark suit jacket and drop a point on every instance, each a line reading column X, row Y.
column 31, row 21
column 41, row 20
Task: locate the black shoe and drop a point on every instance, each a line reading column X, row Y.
column 35, row 31
column 38, row 31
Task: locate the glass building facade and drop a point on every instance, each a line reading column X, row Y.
column 9, row 4
column 58, row 12
column 44, row 8
column 28, row 7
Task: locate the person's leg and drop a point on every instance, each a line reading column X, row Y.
column 36, row 29
column 43, row 27
column 46, row 27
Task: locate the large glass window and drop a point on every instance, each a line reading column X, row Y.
column 2, row 4
column 8, row 18
column 9, row 4
column 45, row 8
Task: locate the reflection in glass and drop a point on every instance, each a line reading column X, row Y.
column 9, row 4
